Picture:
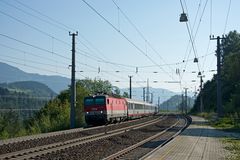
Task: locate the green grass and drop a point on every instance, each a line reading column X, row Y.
column 233, row 146
column 223, row 123
column 226, row 124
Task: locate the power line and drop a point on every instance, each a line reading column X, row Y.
column 189, row 42
column 192, row 39
column 177, row 63
column 124, row 36
column 35, row 28
column 29, row 53
column 26, row 65
column 27, row 13
column 193, row 46
column 34, row 46
column 43, row 15
column 65, row 27
column 34, row 62
column 140, row 33
column 45, row 33
column 210, row 17
column 37, row 62
column 229, row 7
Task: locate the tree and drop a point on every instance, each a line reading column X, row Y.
column 96, row 86
column 125, row 95
column 230, row 79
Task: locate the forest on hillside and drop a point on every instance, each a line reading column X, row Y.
column 55, row 115
column 24, row 98
column 230, row 77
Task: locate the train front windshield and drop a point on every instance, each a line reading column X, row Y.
column 92, row 101
column 89, row 102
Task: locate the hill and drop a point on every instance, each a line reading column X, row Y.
column 24, row 98
column 175, row 103
column 30, row 87
column 11, row 74
column 164, row 94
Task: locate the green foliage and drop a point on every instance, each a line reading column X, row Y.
column 230, row 80
column 10, row 125
column 96, row 86
column 30, row 87
column 55, row 115
column 24, row 95
column 125, row 95
column 224, row 123
column 233, row 146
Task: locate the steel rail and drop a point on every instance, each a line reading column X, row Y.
column 46, row 149
column 121, row 153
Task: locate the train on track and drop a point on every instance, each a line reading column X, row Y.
column 103, row 109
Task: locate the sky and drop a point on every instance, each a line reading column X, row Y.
column 139, row 38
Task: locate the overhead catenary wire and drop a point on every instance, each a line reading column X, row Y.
column 30, row 53
column 45, row 58
column 202, row 71
column 123, row 35
column 34, row 62
column 141, row 34
column 34, row 16
column 181, row 62
column 226, row 21
column 34, row 46
column 192, row 38
column 33, row 67
column 42, row 32
column 189, row 42
column 43, row 15
column 25, row 43
column 111, row 62
column 193, row 46
column 210, row 17
column 59, row 25
column 35, row 28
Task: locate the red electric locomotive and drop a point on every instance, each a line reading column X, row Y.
column 102, row 109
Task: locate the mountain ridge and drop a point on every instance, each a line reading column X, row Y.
column 11, row 74
column 29, row 87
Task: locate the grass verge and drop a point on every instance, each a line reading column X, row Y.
column 228, row 124
column 233, row 146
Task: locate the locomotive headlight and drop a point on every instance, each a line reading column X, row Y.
column 101, row 112
column 87, row 112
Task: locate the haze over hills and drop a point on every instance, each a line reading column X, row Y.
column 175, row 103
column 10, row 74
column 164, row 94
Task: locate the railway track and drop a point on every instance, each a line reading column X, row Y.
column 99, row 149
column 21, row 143
column 78, row 137
column 145, row 147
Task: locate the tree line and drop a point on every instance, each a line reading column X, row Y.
column 230, row 77
column 55, row 115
